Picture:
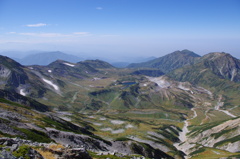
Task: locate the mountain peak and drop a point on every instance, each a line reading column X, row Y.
column 170, row 61
column 216, row 55
column 97, row 63
column 186, row 52
column 219, row 64
column 8, row 62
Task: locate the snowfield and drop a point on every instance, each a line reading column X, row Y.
column 22, row 92
column 68, row 64
column 117, row 122
column 51, row 84
column 113, row 131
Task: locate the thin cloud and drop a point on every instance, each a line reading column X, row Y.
column 12, row 32
column 110, row 35
column 53, row 35
column 99, row 8
column 36, row 25
column 81, row 33
column 45, row 35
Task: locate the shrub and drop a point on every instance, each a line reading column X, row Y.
column 22, row 152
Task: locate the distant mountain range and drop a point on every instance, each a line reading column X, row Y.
column 46, row 58
column 128, row 61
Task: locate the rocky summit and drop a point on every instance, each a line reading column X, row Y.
column 179, row 106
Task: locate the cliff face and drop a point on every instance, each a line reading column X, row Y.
column 11, row 73
column 223, row 65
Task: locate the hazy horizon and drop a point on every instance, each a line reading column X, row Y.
column 104, row 28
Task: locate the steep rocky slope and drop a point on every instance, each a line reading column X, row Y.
column 35, row 131
column 222, row 64
column 218, row 72
column 213, row 65
column 17, row 78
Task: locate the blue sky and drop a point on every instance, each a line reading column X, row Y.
column 120, row 27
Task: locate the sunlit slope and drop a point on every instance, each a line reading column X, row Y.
column 217, row 72
column 170, row 61
column 41, row 131
column 215, row 126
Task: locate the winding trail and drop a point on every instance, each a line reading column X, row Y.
column 184, row 145
column 220, row 104
column 206, row 116
column 74, row 97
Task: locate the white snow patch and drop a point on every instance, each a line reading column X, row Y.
column 68, row 64
column 118, row 131
column 106, row 129
column 96, row 78
column 92, row 117
column 220, row 104
column 113, row 131
column 129, row 126
column 144, row 84
column 117, row 122
column 102, row 118
column 97, row 124
column 50, row 71
column 22, row 92
column 66, row 118
column 51, row 83
column 234, row 73
column 228, row 113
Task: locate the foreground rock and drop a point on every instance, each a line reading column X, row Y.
column 19, row 149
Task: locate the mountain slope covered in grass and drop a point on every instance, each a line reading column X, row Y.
column 169, row 62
